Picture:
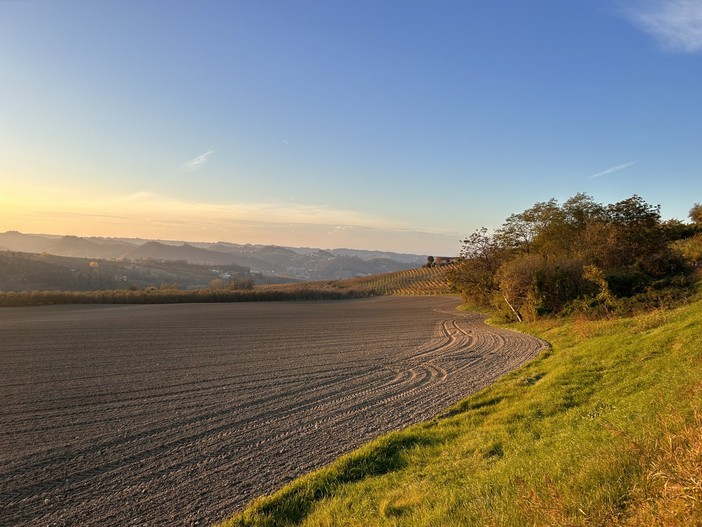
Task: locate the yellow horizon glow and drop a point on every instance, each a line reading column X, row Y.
column 145, row 215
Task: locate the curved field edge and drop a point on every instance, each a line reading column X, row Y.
column 600, row 430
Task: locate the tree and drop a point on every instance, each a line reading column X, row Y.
column 696, row 214
column 544, row 258
column 520, row 231
column 246, row 284
column 518, row 288
column 474, row 276
column 217, row 283
column 532, row 285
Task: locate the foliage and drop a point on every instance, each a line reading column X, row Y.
column 475, row 277
column 581, row 255
column 690, row 248
column 696, row 214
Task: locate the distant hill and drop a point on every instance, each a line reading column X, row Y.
column 26, row 243
column 299, row 263
column 46, row 272
column 316, row 264
column 340, row 267
column 185, row 252
column 414, row 259
column 85, row 248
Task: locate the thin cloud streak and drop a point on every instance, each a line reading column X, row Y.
column 675, row 24
column 198, row 161
column 617, row 168
column 148, row 215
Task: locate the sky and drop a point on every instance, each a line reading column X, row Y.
column 390, row 125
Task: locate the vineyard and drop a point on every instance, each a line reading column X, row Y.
column 422, row 281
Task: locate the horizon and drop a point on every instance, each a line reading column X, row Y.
column 394, row 126
column 167, row 241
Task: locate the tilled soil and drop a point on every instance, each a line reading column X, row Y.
column 181, row 414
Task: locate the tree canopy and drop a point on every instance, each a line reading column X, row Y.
column 580, row 255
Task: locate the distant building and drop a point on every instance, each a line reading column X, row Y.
column 445, row 260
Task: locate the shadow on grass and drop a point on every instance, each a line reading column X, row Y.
column 292, row 504
column 469, row 405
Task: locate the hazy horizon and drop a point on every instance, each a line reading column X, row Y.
column 177, row 241
column 393, row 126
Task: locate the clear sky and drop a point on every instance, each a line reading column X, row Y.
column 396, row 125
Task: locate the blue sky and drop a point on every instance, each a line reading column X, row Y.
column 398, row 125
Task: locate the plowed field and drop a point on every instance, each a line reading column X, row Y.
column 180, row 414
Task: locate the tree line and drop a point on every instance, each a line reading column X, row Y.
column 580, row 256
column 173, row 296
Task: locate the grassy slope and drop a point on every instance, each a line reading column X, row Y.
column 599, row 431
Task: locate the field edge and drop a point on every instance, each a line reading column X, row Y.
column 623, row 421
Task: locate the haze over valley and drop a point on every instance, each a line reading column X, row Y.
column 45, row 262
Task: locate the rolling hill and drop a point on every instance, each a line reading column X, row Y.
column 276, row 261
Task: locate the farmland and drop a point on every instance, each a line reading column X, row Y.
column 419, row 281
column 180, row 414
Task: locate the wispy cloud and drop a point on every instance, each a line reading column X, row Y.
column 617, row 168
column 675, row 24
column 197, row 162
column 148, row 215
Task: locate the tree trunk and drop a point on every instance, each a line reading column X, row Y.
column 516, row 313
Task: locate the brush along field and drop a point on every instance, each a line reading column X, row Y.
column 181, row 414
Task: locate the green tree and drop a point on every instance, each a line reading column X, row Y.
column 696, row 214
column 542, row 259
column 474, row 276
column 520, row 231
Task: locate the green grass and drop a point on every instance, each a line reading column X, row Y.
column 577, row 437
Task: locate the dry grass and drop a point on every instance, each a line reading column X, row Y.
column 544, row 507
column 671, row 493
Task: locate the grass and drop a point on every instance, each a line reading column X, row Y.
column 603, row 429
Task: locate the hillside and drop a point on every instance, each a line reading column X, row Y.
column 26, row 243
column 160, row 251
column 84, row 248
column 603, row 429
column 282, row 262
column 40, row 272
column 36, row 279
column 419, row 281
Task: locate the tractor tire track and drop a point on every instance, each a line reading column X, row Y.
column 162, row 415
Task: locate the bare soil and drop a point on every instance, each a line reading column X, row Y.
column 181, row 414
